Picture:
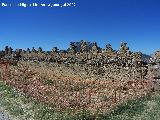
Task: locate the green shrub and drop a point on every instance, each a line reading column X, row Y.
column 48, row 82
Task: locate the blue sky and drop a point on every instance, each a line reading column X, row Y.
column 136, row 22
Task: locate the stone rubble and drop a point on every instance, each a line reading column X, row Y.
column 86, row 61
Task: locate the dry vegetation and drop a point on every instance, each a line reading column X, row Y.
column 44, row 83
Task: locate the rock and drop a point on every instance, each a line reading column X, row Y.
column 4, row 116
column 156, row 86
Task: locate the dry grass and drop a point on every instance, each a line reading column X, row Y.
column 64, row 92
column 21, row 107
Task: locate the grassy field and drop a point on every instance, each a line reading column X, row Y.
column 21, row 107
column 146, row 108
